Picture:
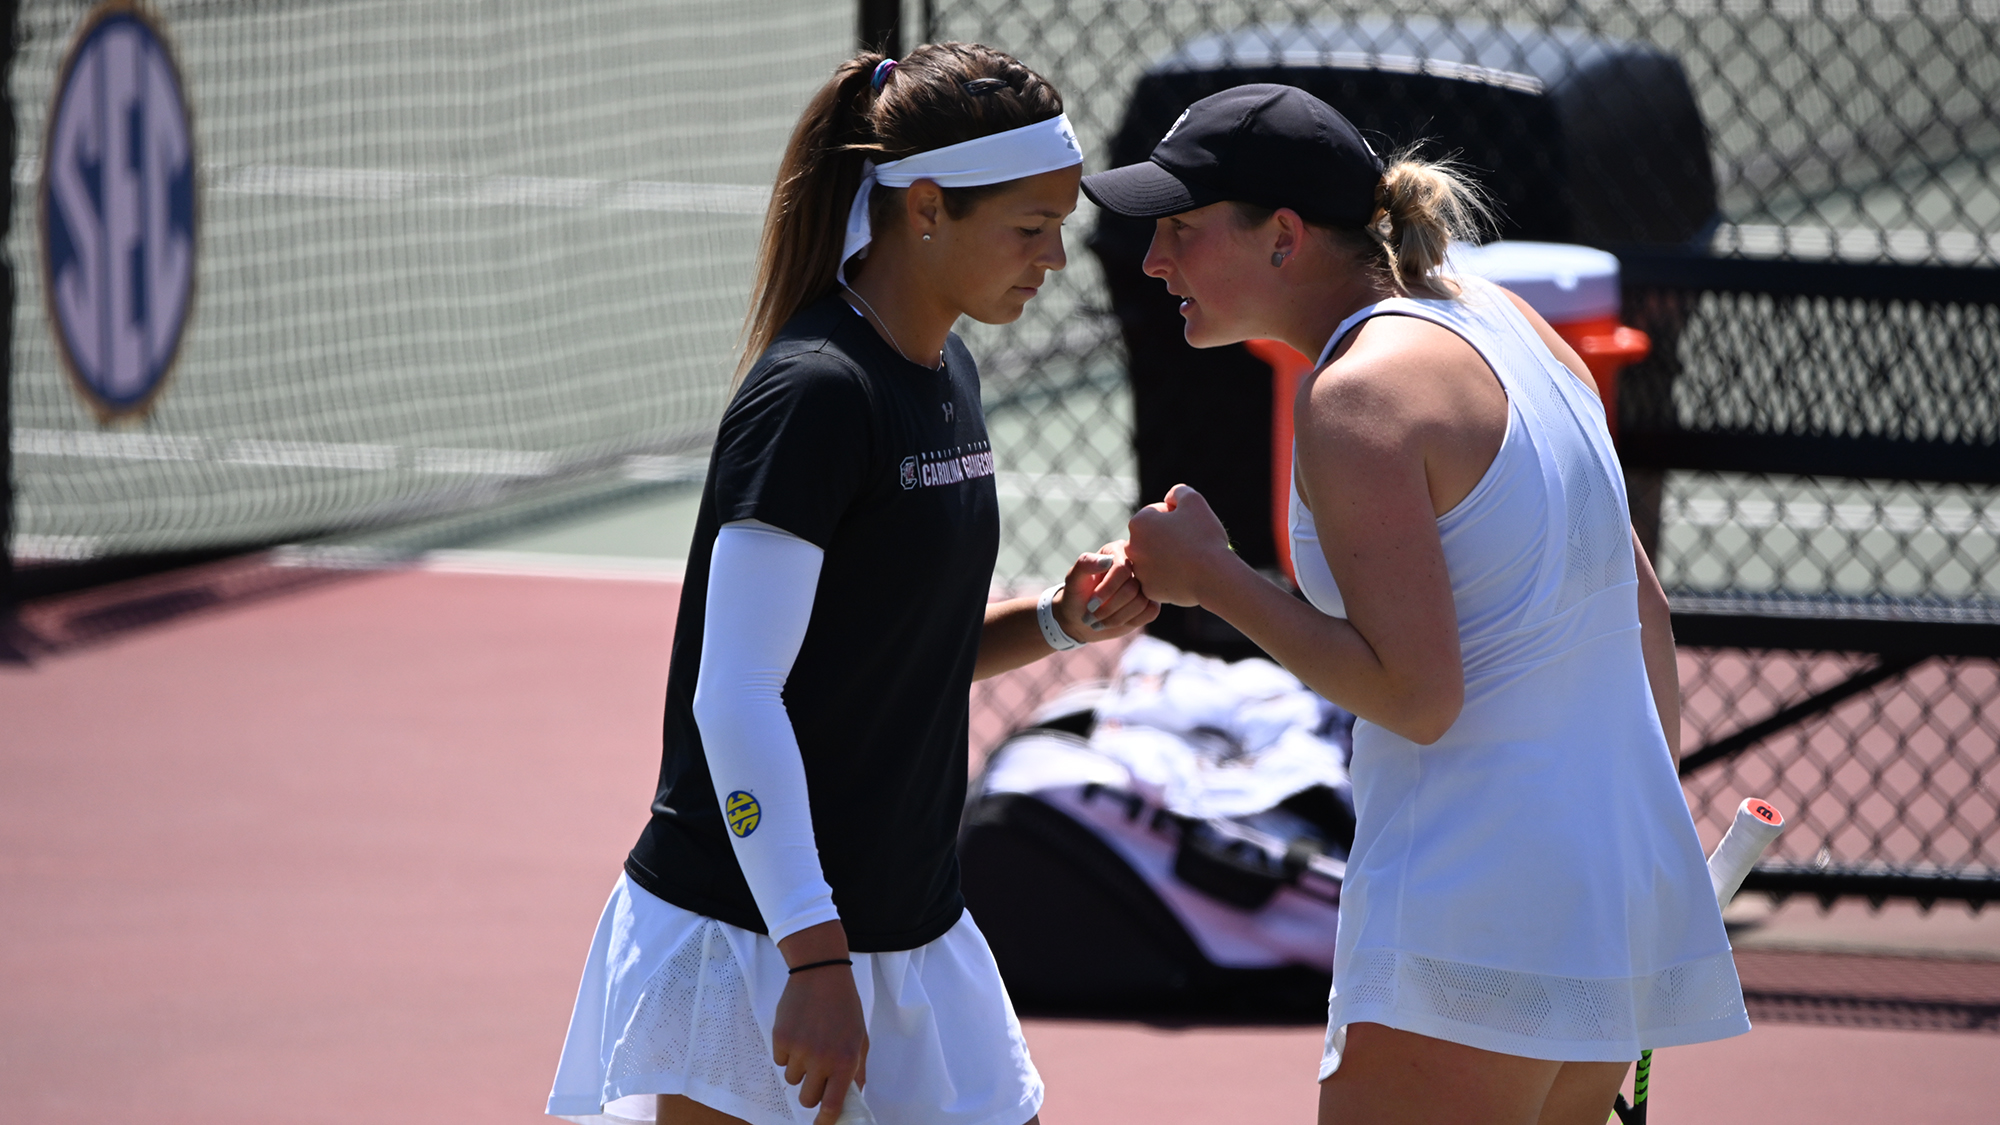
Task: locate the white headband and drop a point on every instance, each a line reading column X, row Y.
column 1028, row 151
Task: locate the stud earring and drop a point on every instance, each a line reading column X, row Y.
column 1278, row 258
column 927, row 238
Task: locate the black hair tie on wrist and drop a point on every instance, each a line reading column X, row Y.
column 797, row 969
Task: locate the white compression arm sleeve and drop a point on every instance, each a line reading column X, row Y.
column 761, row 583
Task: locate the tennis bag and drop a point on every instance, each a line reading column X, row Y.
column 1173, row 845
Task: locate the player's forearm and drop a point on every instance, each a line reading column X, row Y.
column 826, row 941
column 1656, row 639
column 760, row 599
column 1011, row 638
column 1330, row 656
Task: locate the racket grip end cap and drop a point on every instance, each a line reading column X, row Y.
column 1757, row 823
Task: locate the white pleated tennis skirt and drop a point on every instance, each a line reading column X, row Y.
column 673, row 1002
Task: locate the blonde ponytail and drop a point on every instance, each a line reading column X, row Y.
column 1421, row 208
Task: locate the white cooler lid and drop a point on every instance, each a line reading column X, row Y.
column 1562, row 282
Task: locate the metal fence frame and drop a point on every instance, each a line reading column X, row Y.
column 1858, row 654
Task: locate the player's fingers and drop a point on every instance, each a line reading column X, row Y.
column 1115, row 576
column 813, row 1090
column 1141, row 613
column 1088, row 568
column 1117, row 607
column 1180, row 494
column 1083, row 577
column 794, row 1063
column 831, row 1102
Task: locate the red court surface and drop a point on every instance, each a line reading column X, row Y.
column 335, row 857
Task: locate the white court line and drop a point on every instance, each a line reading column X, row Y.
column 311, row 454
column 355, row 456
column 109, row 446
column 486, row 462
column 385, row 185
column 57, row 548
column 534, row 564
column 520, row 564
column 475, row 462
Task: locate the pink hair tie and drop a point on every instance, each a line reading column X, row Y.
column 882, row 70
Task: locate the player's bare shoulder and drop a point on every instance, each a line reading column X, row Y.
column 1398, row 378
column 1354, row 403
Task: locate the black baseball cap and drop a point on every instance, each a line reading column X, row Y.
column 1274, row 146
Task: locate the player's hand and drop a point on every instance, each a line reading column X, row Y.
column 820, row 1037
column 1175, row 545
column 1100, row 598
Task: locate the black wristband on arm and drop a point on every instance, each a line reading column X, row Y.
column 797, row 969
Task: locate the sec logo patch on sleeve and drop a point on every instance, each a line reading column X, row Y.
column 743, row 813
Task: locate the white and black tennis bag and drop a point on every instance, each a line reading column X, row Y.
column 1172, row 843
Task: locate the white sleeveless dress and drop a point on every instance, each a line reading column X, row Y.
column 1532, row 882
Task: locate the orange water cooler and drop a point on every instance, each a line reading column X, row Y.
column 1575, row 288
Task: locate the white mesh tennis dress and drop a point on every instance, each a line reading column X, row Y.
column 1532, row 882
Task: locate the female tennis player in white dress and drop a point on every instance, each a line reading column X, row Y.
column 1527, row 905
column 788, row 942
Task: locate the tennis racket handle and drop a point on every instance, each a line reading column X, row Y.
column 1757, row 824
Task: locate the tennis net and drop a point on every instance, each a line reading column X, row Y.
column 446, row 250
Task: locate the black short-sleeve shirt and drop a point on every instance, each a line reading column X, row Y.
column 884, row 465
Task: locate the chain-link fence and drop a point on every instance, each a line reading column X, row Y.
column 1900, row 778
column 1860, row 129
column 1813, row 451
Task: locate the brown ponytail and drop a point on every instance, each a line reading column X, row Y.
column 924, row 104
column 1421, row 208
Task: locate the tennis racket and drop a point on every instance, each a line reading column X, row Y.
column 1756, row 825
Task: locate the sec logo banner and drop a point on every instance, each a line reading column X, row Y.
column 743, row 813
column 118, row 210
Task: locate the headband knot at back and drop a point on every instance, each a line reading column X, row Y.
column 1015, row 154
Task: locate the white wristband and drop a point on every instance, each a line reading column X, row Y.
column 1052, row 632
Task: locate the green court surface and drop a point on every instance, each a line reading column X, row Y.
column 1048, row 511
column 650, row 525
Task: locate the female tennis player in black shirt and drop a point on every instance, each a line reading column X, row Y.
column 791, row 915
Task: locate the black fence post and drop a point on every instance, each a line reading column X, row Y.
column 881, row 27
column 9, row 30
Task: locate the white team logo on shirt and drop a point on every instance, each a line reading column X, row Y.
column 937, row 467
column 947, row 412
